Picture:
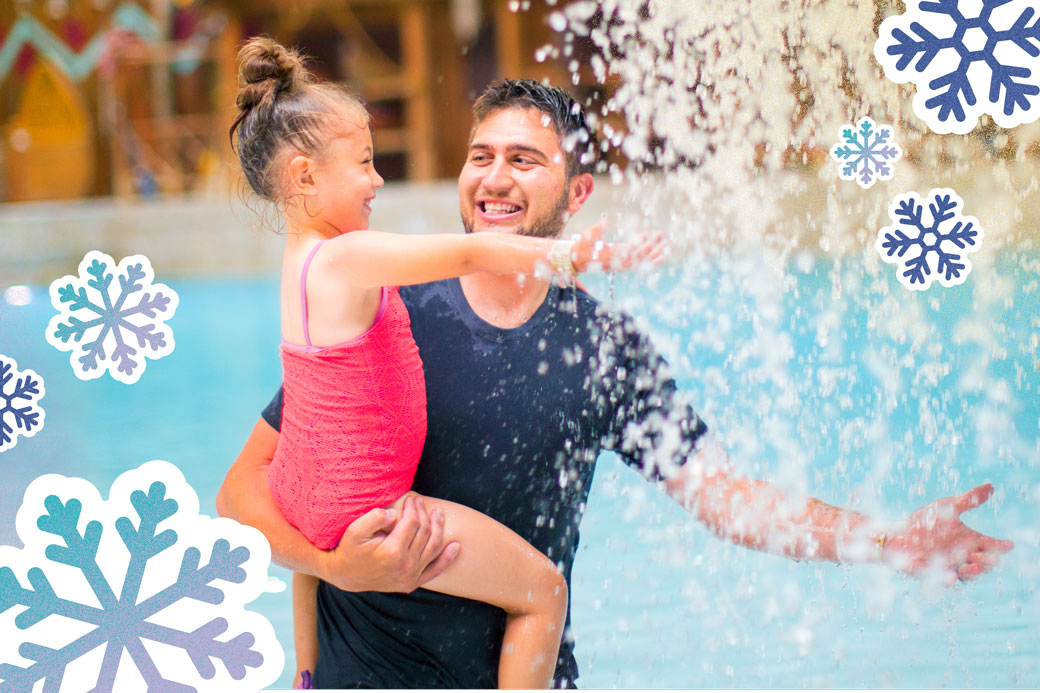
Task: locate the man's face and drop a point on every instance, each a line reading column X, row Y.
column 515, row 177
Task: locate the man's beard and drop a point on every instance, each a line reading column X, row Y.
column 549, row 226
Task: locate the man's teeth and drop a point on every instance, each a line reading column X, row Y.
column 500, row 208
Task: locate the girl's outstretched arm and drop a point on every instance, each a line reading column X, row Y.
column 374, row 258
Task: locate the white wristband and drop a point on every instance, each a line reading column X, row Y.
column 560, row 259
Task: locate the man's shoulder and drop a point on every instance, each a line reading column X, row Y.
column 608, row 319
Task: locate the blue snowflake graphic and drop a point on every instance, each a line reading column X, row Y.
column 964, row 49
column 930, row 250
column 866, row 152
column 136, row 612
column 25, row 420
column 104, row 328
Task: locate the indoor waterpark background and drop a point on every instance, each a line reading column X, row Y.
column 794, row 340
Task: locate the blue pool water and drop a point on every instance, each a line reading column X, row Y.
column 835, row 392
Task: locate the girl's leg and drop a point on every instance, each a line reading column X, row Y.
column 305, row 623
column 496, row 566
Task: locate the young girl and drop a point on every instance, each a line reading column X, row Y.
column 354, row 418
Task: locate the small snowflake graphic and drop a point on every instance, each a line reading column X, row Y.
column 104, row 327
column 933, row 250
column 972, row 57
column 866, row 153
column 15, row 385
column 132, row 593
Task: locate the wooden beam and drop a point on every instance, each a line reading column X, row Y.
column 414, row 25
column 508, row 42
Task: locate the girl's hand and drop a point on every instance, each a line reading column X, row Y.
column 590, row 251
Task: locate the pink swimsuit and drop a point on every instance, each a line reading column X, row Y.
column 353, row 423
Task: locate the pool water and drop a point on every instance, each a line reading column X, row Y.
column 835, row 393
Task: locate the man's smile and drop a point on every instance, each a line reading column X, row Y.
column 498, row 210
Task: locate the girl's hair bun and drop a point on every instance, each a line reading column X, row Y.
column 266, row 69
column 280, row 106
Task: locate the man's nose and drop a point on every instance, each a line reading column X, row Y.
column 499, row 177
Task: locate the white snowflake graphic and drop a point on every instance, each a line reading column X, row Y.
column 972, row 57
column 933, row 250
column 103, row 325
column 866, row 153
column 101, row 599
column 15, row 385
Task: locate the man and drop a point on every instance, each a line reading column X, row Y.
column 526, row 383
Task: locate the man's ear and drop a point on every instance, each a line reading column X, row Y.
column 301, row 175
column 580, row 188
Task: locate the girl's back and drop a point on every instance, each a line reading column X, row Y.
column 354, row 423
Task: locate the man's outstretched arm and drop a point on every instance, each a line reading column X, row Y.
column 762, row 517
column 378, row 552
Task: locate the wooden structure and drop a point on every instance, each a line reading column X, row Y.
column 418, row 64
column 157, row 80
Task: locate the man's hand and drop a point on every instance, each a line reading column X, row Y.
column 934, row 538
column 375, row 554
column 379, row 552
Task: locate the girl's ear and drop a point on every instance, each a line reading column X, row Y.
column 301, row 175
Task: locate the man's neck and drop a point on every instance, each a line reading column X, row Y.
column 505, row 301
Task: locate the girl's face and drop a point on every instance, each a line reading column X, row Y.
column 345, row 179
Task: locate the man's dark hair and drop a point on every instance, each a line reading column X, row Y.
column 577, row 139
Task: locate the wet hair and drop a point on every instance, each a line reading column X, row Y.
column 567, row 116
column 282, row 109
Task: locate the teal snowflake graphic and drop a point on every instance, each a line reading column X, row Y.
column 135, row 592
column 111, row 325
column 866, row 153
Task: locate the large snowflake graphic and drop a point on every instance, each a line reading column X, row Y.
column 24, row 388
column 866, row 153
column 972, row 57
column 936, row 249
column 103, row 599
column 104, row 326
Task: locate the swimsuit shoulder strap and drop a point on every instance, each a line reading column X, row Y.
column 303, row 290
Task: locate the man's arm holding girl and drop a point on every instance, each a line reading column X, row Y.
column 378, row 552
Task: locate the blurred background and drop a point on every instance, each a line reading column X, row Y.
column 110, row 102
column 794, row 340
column 106, row 103
column 134, row 98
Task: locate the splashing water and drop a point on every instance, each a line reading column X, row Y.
column 798, row 346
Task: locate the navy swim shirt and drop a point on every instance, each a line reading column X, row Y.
column 516, row 420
